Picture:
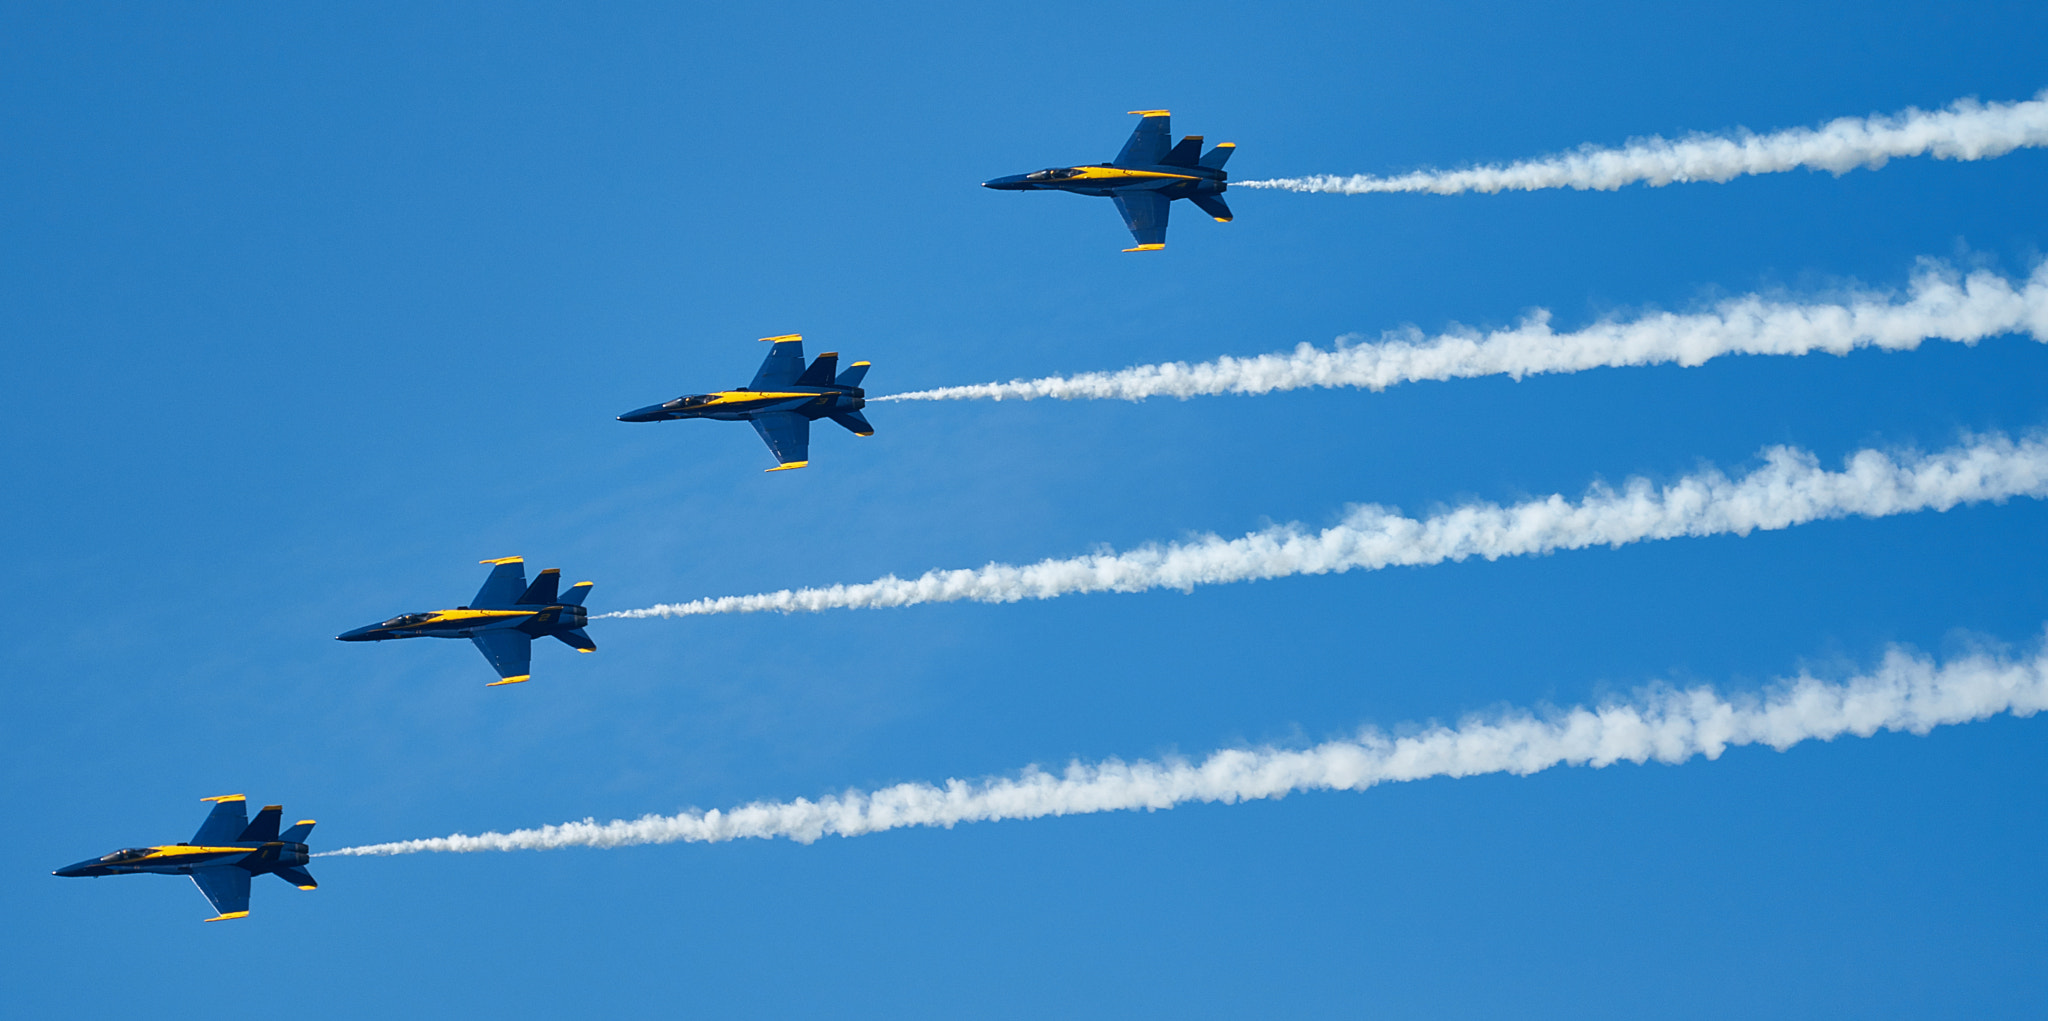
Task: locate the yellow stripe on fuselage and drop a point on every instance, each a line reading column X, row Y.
column 186, row 851
column 743, row 396
column 1110, row 173
column 441, row 615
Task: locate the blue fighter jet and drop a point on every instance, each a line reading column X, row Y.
column 782, row 401
column 1144, row 179
column 503, row 620
column 221, row 858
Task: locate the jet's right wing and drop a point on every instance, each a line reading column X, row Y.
column 785, row 362
column 226, row 887
column 788, row 436
column 1145, row 214
column 501, row 590
column 1149, row 142
column 510, row 653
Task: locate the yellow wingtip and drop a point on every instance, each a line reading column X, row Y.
column 307, row 822
column 504, row 560
column 1145, row 248
column 786, row 467
column 784, row 337
column 522, row 678
column 1226, row 145
column 1151, row 113
column 309, row 888
column 1223, row 219
column 858, row 364
column 226, row 797
column 231, row 914
column 586, row 650
column 583, row 584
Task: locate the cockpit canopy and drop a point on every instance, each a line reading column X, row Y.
column 407, row 619
column 1055, row 174
column 690, row 402
column 126, row 854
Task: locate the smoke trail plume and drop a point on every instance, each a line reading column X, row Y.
column 1940, row 304
column 1967, row 130
column 1907, row 692
column 1790, row 488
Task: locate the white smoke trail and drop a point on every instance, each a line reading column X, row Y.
column 1940, row 304
column 1967, row 130
column 1790, row 488
column 1907, row 692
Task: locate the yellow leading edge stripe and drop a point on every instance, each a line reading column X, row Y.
column 226, row 797
column 786, row 467
column 511, row 680
column 231, row 914
column 504, row 560
column 1145, row 248
column 1151, row 113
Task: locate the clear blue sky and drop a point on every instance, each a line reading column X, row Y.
column 308, row 310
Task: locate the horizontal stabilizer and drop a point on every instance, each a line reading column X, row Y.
column 297, row 877
column 1213, row 205
column 854, row 421
column 299, row 832
column 263, row 828
column 229, row 818
column 577, row 593
column 853, row 375
column 1219, row 156
column 578, row 639
column 542, row 591
column 1185, row 154
column 821, row 371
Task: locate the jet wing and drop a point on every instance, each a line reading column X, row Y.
column 501, row 590
column 785, row 362
column 788, row 436
column 1145, row 214
column 226, row 887
column 510, row 653
column 229, row 818
column 1149, row 143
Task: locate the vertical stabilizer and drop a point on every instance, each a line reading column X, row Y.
column 577, row 593
column 821, row 371
column 853, row 375
column 1218, row 156
column 1185, row 154
column 542, row 591
column 262, row 829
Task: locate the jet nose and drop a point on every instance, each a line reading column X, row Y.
column 650, row 413
column 1014, row 182
column 74, row 871
column 361, row 634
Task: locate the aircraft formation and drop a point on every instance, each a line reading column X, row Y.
column 785, row 396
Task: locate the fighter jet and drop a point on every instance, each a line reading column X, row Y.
column 503, row 620
column 1144, row 179
column 782, row 401
column 221, row 858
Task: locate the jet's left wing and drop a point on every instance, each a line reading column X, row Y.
column 510, row 653
column 501, row 590
column 1145, row 214
column 785, row 362
column 1149, row 143
column 788, row 435
column 229, row 818
column 226, row 887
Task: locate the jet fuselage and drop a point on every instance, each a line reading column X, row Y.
column 463, row 622
column 181, row 859
column 812, row 402
column 1105, row 179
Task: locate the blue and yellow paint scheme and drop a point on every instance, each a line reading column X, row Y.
column 782, row 401
column 229, row 850
column 503, row 620
column 1144, row 179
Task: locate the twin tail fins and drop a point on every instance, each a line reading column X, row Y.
column 1186, row 154
column 821, row 371
column 542, row 591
